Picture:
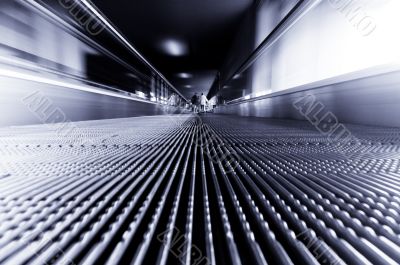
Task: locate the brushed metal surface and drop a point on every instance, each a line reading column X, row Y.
column 76, row 105
column 372, row 100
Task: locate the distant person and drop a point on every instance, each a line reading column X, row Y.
column 220, row 100
column 173, row 99
column 213, row 103
column 203, row 102
column 195, row 102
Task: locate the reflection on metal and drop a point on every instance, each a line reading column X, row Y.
column 383, row 73
column 151, row 191
column 63, row 84
column 31, row 75
column 367, row 97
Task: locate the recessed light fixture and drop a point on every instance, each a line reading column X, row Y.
column 237, row 76
column 184, row 75
column 188, row 86
column 174, row 47
column 133, row 76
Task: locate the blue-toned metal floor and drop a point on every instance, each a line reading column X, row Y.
column 186, row 189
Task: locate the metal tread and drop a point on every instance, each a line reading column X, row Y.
column 184, row 189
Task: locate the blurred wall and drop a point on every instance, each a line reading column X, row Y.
column 335, row 40
column 27, row 102
column 372, row 100
column 77, row 79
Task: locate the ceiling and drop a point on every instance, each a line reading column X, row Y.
column 187, row 40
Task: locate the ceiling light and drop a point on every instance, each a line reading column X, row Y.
column 188, row 86
column 132, row 75
column 174, row 47
column 237, row 76
column 184, row 75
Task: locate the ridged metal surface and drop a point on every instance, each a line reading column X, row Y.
column 198, row 190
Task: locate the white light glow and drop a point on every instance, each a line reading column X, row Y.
column 174, row 47
column 132, row 75
column 140, row 94
column 184, row 75
column 247, row 97
column 262, row 93
column 48, row 81
column 359, row 35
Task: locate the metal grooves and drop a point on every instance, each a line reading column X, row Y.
column 185, row 189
